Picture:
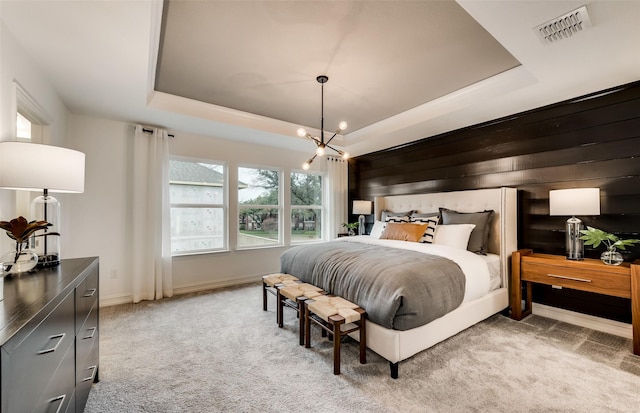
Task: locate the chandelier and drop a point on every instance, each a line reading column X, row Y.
column 321, row 145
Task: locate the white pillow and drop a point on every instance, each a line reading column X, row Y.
column 454, row 235
column 377, row 230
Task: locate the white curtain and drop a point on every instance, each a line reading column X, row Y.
column 336, row 195
column 150, row 226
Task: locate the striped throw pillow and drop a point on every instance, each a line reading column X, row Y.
column 432, row 221
column 388, row 216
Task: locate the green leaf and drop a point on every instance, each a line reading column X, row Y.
column 595, row 237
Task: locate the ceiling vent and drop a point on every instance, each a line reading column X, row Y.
column 564, row 26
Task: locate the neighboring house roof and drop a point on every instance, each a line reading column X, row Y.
column 192, row 173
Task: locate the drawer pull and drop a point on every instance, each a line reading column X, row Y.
column 94, row 369
column 55, row 399
column 93, row 332
column 90, row 292
column 59, row 337
column 564, row 277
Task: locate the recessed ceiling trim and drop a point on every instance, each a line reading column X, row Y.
column 195, row 108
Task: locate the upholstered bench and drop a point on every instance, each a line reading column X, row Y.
column 293, row 296
column 270, row 283
column 338, row 317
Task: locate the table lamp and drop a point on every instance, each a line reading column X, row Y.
column 36, row 167
column 572, row 202
column 361, row 208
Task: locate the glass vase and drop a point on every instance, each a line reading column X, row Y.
column 611, row 257
column 27, row 260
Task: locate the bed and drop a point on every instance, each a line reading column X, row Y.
column 398, row 339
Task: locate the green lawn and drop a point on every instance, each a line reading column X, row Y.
column 274, row 234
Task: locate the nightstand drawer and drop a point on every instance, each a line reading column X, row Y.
column 585, row 279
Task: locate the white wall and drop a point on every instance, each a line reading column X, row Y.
column 16, row 66
column 99, row 214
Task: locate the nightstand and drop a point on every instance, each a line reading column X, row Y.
column 344, row 234
column 587, row 275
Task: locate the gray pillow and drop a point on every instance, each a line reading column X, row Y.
column 480, row 234
column 415, row 215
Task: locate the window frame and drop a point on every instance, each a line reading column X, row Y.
column 279, row 207
column 27, row 107
column 224, row 206
column 322, row 207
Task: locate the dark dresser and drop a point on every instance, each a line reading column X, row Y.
column 49, row 338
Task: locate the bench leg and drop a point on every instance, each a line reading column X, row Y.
column 307, row 327
column 336, row 345
column 264, row 296
column 279, row 309
column 303, row 321
column 363, row 338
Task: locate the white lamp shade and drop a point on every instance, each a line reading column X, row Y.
column 34, row 167
column 572, row 202
column 362, row 207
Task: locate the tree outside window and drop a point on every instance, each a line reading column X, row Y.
column 259, row 207
column 306, row 207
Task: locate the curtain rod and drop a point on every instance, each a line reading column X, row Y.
column 151, row 131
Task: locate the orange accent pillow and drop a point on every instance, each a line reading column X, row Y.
column 404, row 231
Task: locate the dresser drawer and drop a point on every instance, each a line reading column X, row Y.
column 28, row 369
column 87, row 340
column 86, row 298
column 604, row 280
column 86, row 374
column 59, row 394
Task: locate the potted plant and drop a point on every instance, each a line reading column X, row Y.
column 351, row 227
column 595, row 237
column 19, row 230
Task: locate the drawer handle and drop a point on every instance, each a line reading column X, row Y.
column 564, row 277
column 90, row 292
column 61, row 398
column 93, row 331
column 94, row 369
column 59, row 337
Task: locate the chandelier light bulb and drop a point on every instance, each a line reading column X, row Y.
column 321, row 144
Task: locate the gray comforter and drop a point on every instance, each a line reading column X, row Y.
column 399, row 289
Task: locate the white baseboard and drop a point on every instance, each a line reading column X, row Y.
column 125, row 299
column 584, row 320
column 115, row 300
column 216, row 284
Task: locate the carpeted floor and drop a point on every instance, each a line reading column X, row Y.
column 219, row 352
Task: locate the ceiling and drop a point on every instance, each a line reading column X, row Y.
column 382, row 58
column 245, row 70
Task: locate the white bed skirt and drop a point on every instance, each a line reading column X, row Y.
column 396, row 346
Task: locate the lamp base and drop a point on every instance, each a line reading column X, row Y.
column 361, row 230
column 48, row 261
column 575, row 246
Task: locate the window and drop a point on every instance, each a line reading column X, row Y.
column 31, row 119
column 198, row 206
column 306, row 207
column 258, row 207
column 23, row 127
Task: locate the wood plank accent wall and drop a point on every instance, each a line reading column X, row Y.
column 590, row 141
